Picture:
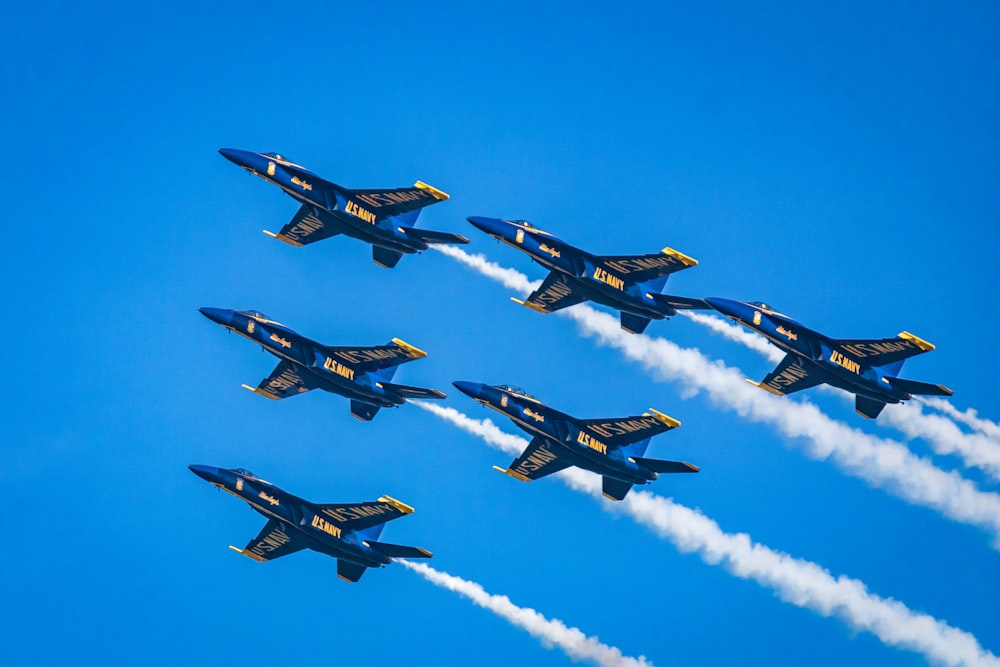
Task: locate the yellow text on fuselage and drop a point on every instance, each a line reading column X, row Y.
column 608, row 279
column 338, row 368
column 842, row 361
column 586, row 439
column 357, row 211
column 326, row 526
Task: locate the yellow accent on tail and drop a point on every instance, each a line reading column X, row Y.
column 685, row 259
column 919, row 342
column 434, row 192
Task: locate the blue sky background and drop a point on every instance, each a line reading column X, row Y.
column 839, row 163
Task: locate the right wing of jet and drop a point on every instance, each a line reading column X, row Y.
column 641, row 268
column 347, row 361
column 790, row 376
column 309, row 225
column 884, row 351
column 360, row 516
column 272, row 542
column 539, row 459
column 622, row 431
column 284, row 381
column 394, row 201
column 555, row 293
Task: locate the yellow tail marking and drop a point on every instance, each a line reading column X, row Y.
column 685, row 259
column 919, row 342
column 401, row 506
column 415, row 352
column 434, row 192
column 666, row 419
column 765, row 387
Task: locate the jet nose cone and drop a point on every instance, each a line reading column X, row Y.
column 234, row 155
column 222, row 316
column 724, row 306
column 207, row 473
column 491, row 226
column 473, row 389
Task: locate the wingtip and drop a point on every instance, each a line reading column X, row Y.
column 398, row 504
column 511, row 473
column 666, row 419
column 414, row 351
column 916, row 340
column 761, row 385
column 434, row 192
column 686, row 260
column 528, row 304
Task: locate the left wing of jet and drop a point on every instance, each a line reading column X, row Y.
column 622, row 431
column 284, row 381
column 310, row 224
column 640, row 268
column 883, row 351
column 359, row 516
column 539, row 459
column 272, row 542
column 555, row 293
column 790, row 376
column 393, row 201
column 347, row 361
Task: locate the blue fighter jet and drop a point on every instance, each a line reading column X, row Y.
column 613, row 448
column 867, row 368
column 384, row 218
column 348, row 531
column 362, row 374
column 629, row 283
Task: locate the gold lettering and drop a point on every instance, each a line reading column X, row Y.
column 338, row 368
column 354, row 209
column 270, row 499
column 595, row 444
column 301, row 183
column 280, row 341
column 608, row 279
column 326, row 526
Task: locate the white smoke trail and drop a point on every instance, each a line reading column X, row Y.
column 943, row 435
column 970, row 417
column 796, row 581
column 554, row 632
column 880, row 462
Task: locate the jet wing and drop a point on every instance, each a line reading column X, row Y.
column 359, row 516
column 554, row 294
column 622, row 431
column 347, row 361
column 284, row 381
column 272, row 542
column 790, row 376
column 309, row 225
column 394, row 201
column 884, row 351
column 640, row 268
column 539, row 459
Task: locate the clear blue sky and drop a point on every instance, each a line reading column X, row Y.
column 839, row 163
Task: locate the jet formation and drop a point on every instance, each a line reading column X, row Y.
column 384, row 218
column 628, row 283
column 362, row 374
column 867, row 368
column 610, row 447
column 347, row 531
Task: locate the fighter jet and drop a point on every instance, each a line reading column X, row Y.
column 866, row 368
column 629, row 283
column 362, row 374
column 613, row 448
column 384, row 218
column 348, row 532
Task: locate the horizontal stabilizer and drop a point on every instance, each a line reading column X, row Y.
column 634, row 323
column 676, row 303
column 429, row 236
column 399, row 550
column 868, row 407
column 387, row 259
column 921, row 388
column 411, row 392
column 659, row 465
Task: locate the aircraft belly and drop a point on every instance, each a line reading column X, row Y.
column 612, row 298
column 349, row 389
column 369, row 233
column 599, row 463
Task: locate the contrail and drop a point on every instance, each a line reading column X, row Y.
column 970, row 418
column 554, row 632
column 796, row 581
column 943, row 435
column 880, row 462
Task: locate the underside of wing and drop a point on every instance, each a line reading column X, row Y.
column 539, row 459
column 285, row 380
column 361, row 516
column 883, row 351
column 272, row 542
column 621, row 431
column 347, row 361
column 641, row 268
column 555, row 293
column 790, row 376
column 310, row 224
column 395, row 201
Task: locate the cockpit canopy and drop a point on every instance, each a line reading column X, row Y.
column 516, row 390
column 276, row 156
column 244, row 472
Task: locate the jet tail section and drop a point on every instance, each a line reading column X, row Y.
column 672, row 304
column 429, row 236
column 364, row 411
column 615, row 489
column 659, row 465
column 921, row 388
column 387, row 259
column 399, row 550
column 868, row 407
column 411, row 392
column 635, row 324
column 349, row 572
